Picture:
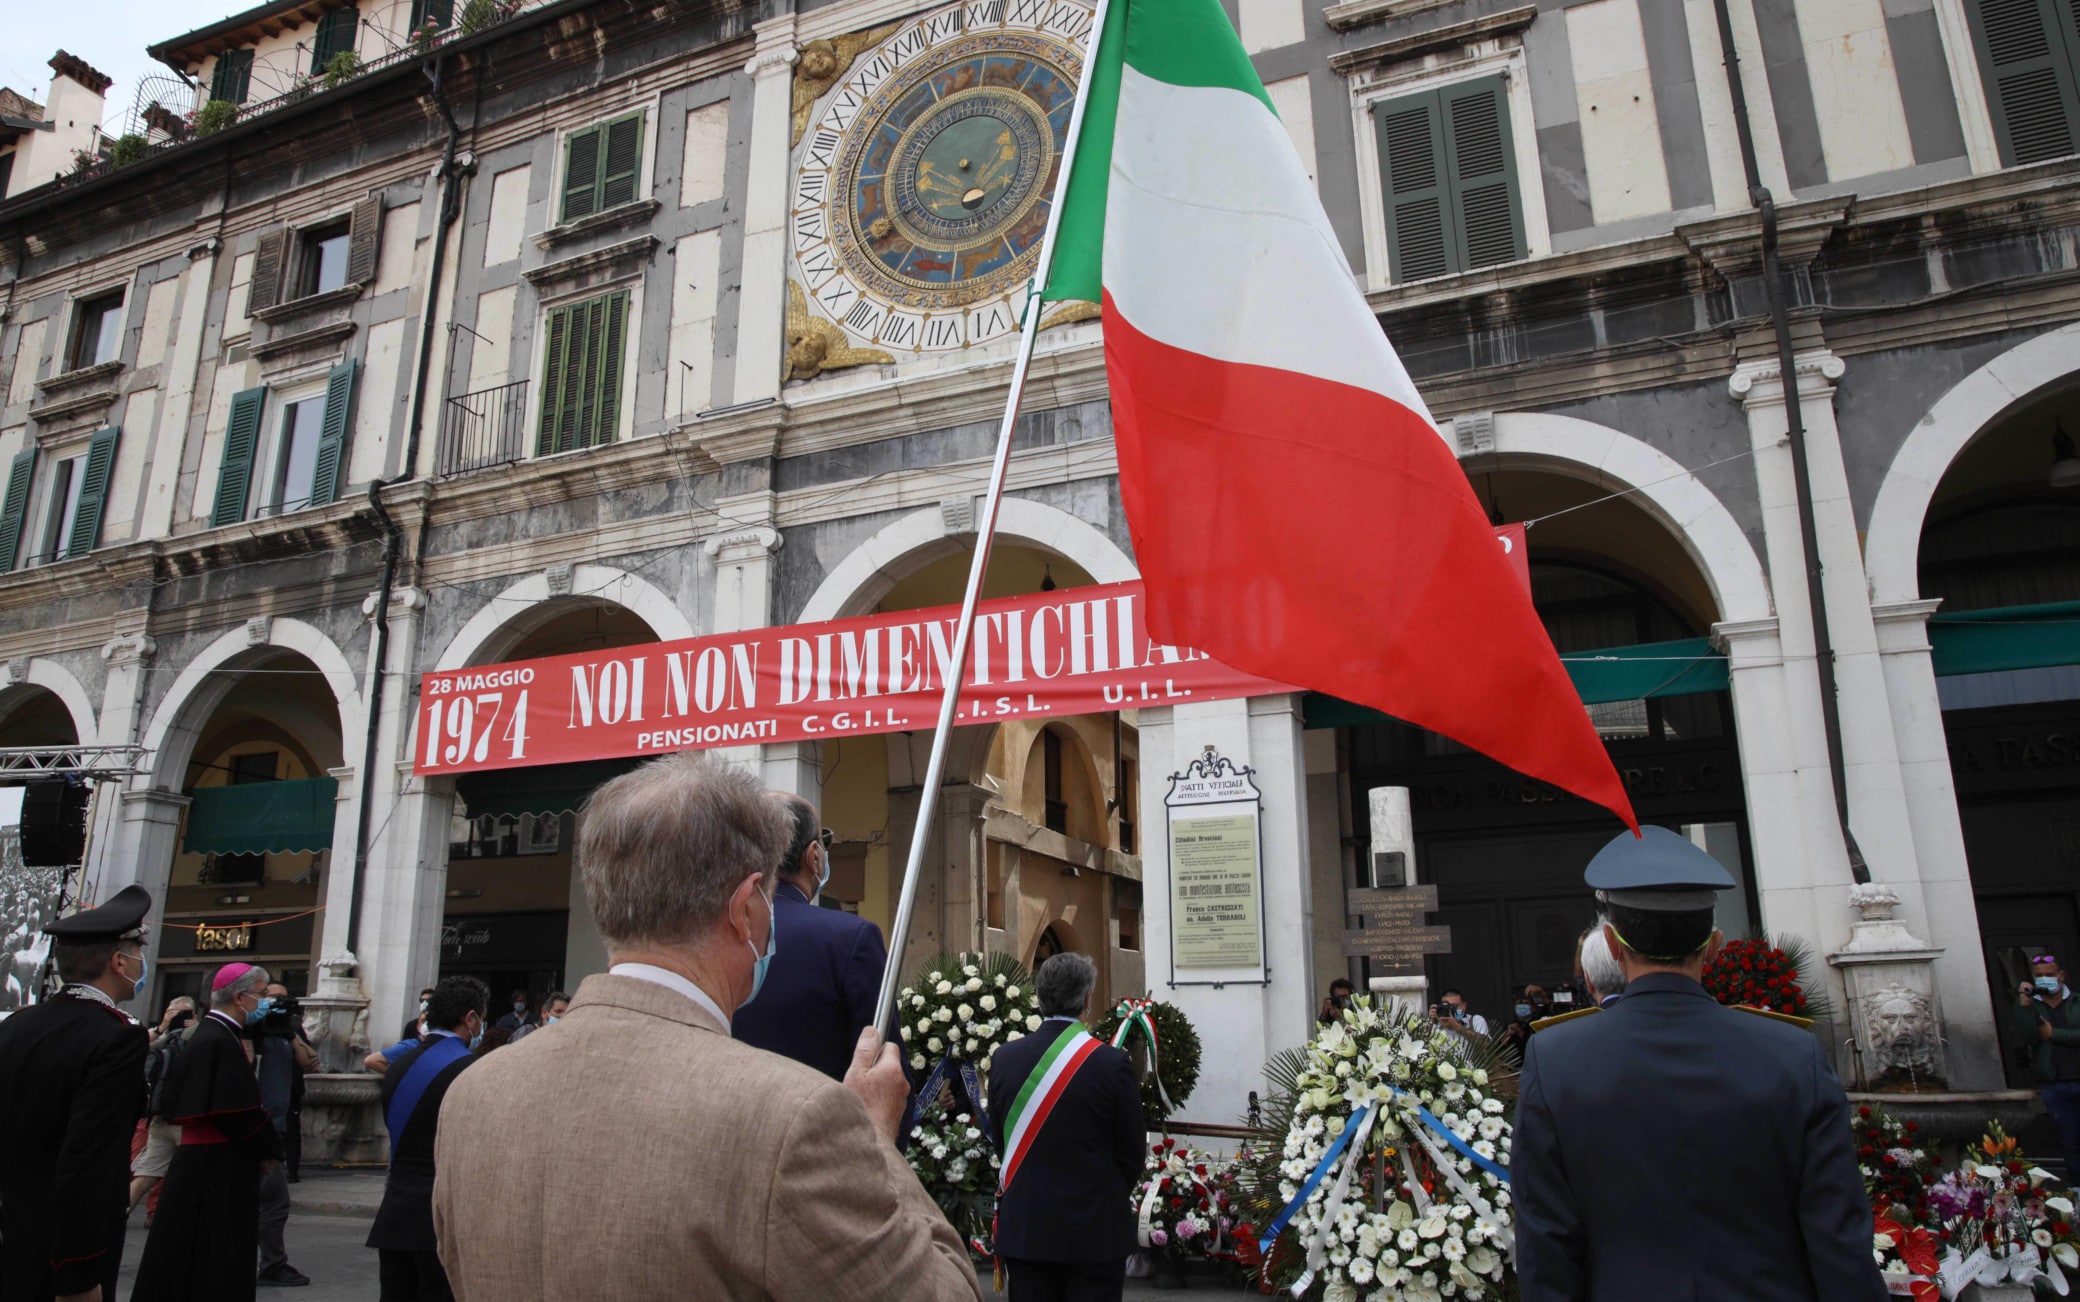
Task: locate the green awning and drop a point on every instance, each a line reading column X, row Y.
column 1612, row 673
column 546, row 789
column 262, row 817
column 2010, row 637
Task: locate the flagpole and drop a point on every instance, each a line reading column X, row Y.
column 985, row 528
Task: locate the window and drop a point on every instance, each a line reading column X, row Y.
column 438, row 12
column 67, row 478
column 72, row 511
column 581, row 374
column 335, row 34
column 323, row 266
column 296, row 456
column 2029, row 56
column 1129, row 802
column 1448, row 179
column 306, row 467
column 232, row 76
column 1057, row 809
column 6, row 171
column 601, row 166
column 97, row 331
column 502, row 836
column 318, row 259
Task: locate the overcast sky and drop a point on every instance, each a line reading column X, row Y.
column 109, row 34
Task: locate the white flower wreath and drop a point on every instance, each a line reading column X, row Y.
column 964, row 1007
column 1410, row 1214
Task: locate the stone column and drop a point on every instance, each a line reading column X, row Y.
column 1876, row 794
column 1952, row 912
column 145, row 841
column 762, row 299
column 110, row 866
column 1240, row 1026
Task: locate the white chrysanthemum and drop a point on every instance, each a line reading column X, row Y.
column 1360, row 1271
column 1492, row 1105
column 1407, row 1240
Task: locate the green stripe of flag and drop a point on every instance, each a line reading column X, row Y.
column 1182, row 42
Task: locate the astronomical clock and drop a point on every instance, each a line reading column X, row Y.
column 926, row 154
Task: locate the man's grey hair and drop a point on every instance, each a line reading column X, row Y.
column 660, row 849
column 1600, row 965
column 245, row 983
column 1064, row 983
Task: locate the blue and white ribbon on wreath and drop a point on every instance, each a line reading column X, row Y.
column 1353, row 1137
column 970, row 1083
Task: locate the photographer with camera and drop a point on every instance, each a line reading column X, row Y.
column 2048, row 1029
column 1338, row 1000
column 1451, row 1013
column 282, row 1054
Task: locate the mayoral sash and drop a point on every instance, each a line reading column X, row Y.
column 1037, row 1097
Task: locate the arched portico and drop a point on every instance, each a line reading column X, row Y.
column 503, row 621
column 59, row 681
column 1892, row 546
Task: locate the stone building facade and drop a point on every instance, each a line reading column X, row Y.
column 556, row 326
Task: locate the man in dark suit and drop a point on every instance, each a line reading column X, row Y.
column 1065, row 1224
column 819, row 992
column 71, row 1087
column 409, row 1264
column 1671, row 1147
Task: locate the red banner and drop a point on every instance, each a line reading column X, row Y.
column 1074, row 651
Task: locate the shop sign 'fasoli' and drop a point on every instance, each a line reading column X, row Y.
column 1073, row 651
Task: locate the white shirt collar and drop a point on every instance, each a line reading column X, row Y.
column 671, row 980
column 450, row 1034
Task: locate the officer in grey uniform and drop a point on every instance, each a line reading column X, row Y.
column 1671, row 1148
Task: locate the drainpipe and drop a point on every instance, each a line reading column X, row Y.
column 1801, row 474
column 451, row 206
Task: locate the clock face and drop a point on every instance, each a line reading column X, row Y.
column 925, row 178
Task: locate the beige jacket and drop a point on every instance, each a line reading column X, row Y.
column 633, row 1150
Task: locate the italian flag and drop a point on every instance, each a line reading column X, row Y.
column 1294, row 510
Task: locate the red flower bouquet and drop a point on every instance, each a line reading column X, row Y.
column 1757, row 973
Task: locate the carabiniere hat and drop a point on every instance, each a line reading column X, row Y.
column 1659, row 871
column 122, row 918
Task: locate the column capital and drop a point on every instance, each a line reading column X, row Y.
column 1902, row 612
column 743, row 545
column 128, row 649
column 1902, row 626
column 153, row 806
column 1760, row 384
column 775, row 52
column 1753, row 640
column 402, row 600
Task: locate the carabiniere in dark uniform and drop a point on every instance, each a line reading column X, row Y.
column 71, row 1090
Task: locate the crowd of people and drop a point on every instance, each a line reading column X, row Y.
column 729, row 1118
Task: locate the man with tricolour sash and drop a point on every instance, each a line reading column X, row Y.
column 1066, row 1109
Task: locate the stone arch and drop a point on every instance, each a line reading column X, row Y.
column 1667, row 490
column 59, row 681
column 503, row 619
column 1892, row 546
column 202, row 686
column 876, row 565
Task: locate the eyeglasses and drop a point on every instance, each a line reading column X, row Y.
column 825, row 837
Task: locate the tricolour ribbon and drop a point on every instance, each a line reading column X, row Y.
column 1359, row 1127
column 1133, row 1013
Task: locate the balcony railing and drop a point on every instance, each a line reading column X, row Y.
column 485, row 428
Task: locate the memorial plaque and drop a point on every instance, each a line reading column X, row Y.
column 1216, row 873
column 1393, row 934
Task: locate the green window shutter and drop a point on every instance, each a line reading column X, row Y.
column 2028, row 51
column 621, row 162
column 1412, row 180
column 581, row 402
column 335, row 33
column 232, row 76
column 606, row 372
column 15, row 505
column 581, row 164
column 440, row 12
column 553, row 366
column 234, row 475
column 1483, row 173
column 333, row 429
column 93, row 491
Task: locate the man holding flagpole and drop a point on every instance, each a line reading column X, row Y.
column 1066, row 1110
